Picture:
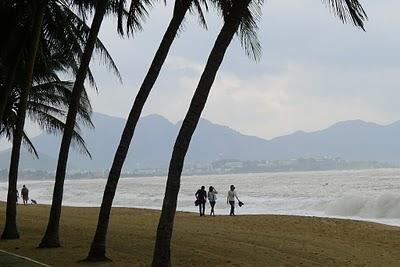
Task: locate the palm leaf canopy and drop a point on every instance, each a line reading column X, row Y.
column 63, row 31
column 138, row 11
column 47, row 106
column 134, row 16
column 63, row 37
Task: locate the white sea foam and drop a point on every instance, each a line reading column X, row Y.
column 386, row 205
column 369, row 194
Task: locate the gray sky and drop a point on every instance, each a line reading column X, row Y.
column 314, row 72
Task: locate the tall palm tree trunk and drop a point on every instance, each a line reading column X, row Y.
column 98, row 248
column 10, row 229
column 162, row 252
column 51, row 237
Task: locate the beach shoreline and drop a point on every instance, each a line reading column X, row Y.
column 369, row 195
column 246, row 240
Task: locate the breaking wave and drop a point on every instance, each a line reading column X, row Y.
column 383, row 206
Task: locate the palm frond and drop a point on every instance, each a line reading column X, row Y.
column 72, row 38
column 196, row 6
column 29, row 145
column 248, row 29
column 136, row 15
column 53, row 125
column 63, row 37
column 107, row 59
column 348, row 11
column 80, row 145
column 54, row 98
column 249, row 15
column 84, row 29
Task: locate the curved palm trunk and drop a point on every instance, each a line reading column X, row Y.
column 51, row 237
column 10, row 229
column 162, row 253
column 98, row 248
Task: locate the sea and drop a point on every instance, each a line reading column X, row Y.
column 372, row 195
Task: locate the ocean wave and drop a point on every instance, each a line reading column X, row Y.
column 386, row 205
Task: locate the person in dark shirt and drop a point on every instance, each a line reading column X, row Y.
column 201, row 196
column 24, row 194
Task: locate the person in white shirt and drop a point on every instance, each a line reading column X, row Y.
column 231, row 200
column 212, row 197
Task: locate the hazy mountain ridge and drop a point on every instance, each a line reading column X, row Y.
column 155, row 136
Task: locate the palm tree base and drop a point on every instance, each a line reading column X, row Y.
column 49, row 243
column 10, row 234
column 96, row 258
column 161, row 263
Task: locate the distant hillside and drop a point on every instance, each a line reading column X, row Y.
column 155, row 136
column 350, row 140
column 28, row 161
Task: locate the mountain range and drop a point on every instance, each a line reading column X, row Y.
column 152, row 144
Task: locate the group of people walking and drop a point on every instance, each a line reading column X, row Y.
column 202, row 195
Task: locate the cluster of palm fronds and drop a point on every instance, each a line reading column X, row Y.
column 62, row 39
column 44, row 40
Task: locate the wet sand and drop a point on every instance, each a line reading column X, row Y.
column 256, row 240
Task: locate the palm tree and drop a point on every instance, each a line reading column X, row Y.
column 46, row 106
column 51, row 236
column 10, row 230
column 61, row 39
column 98, row 248
column 15, row 18
column 14, row 34
column 239, row 15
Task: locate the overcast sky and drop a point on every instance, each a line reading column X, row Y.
column 314, row 71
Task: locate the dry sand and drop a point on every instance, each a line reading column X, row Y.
column 262, row 240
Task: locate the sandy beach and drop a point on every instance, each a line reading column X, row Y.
column 257, row 240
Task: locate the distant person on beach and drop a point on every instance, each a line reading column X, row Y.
column 201, row 196
column 230, row 199
column 212, row 197
column 25, row 194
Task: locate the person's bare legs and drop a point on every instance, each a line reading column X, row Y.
column 212, row 204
